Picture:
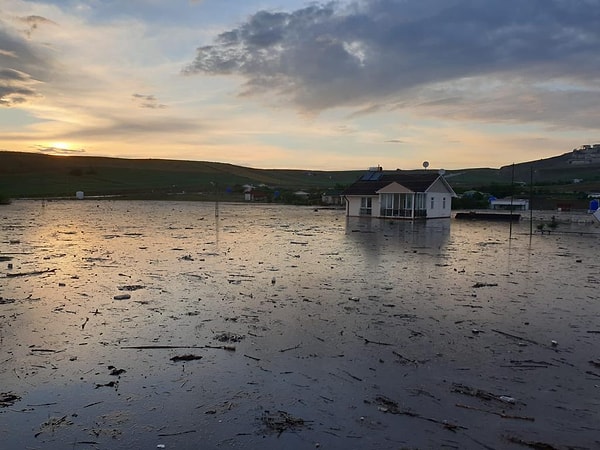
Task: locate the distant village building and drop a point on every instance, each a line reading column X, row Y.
column 332, row 197
column 399, row 195
column 302, row 194
column 255, row 195
column 515, row 204
column 586, row 154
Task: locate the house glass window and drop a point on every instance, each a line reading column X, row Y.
column 420, row 201
column 420, row 205
column 432, row 202
column 389, row 205
column 396, row 205
column 366, row 206
column 444, row 202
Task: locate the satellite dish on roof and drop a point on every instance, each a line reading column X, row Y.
column 425, row 164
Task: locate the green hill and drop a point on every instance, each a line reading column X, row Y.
column 24, row 175
column 38, row 175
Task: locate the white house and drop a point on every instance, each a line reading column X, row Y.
column 516, row 204
column 399, row 195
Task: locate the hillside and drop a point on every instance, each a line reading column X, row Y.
column 38, row 175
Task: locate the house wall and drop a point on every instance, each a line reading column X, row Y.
column 438, row 210
column 439, row 186
column 394, row 188
column 353, row 206
column 441, row 207
column 439, row 191
column 520, row 205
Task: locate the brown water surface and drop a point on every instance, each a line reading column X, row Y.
column 272, row 326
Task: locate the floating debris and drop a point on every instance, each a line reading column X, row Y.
column 188, row 357
column 281, row 421
column 116, row 372
column 480, row 285
column 482, row 394
column 131, row 287
column 114, row 384
column 52, row 424
column 229, row 337
column 33, row 272
column 8, row 399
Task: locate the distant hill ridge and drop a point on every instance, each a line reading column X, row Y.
column 581, row 163
column 25, row 174
column 33, row 174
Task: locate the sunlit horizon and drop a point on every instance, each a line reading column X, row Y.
column 261, row 85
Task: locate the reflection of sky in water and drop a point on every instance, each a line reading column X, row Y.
column 305, row 288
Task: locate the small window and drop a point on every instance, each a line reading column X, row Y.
column 444, row 202
column 365, row 206
column 432, row 202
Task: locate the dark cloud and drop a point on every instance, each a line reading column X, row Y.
column 147, row 101
column 18, row 53
column 33, row 22
column 24, row 65
column 50, row 150
column 12, row 75
column 134, row 128
column 16, row 87
column 365, row 53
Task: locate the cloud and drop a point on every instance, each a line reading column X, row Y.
column 33, row 22
column 131, row 128
column 7, row 53
column 11, row 75
column 147, row 101
column 51, row 150
column 381, row 52
column 24, row 65
column 16, row 87
column 17, row 52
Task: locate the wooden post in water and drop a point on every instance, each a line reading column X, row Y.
column 512, row 196
column 216, row 195
column 530, row 201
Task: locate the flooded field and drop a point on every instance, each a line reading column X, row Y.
column 165, row 325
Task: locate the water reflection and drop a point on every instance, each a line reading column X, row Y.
column 377, row 235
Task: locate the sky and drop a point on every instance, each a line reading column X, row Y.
column 305, row 85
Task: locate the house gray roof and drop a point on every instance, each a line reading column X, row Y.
column 372, row 181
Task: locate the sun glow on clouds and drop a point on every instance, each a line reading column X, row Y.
column 291, row 94
column 61, row 146
column 59, row 149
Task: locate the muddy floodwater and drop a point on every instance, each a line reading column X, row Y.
column 130, row 325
